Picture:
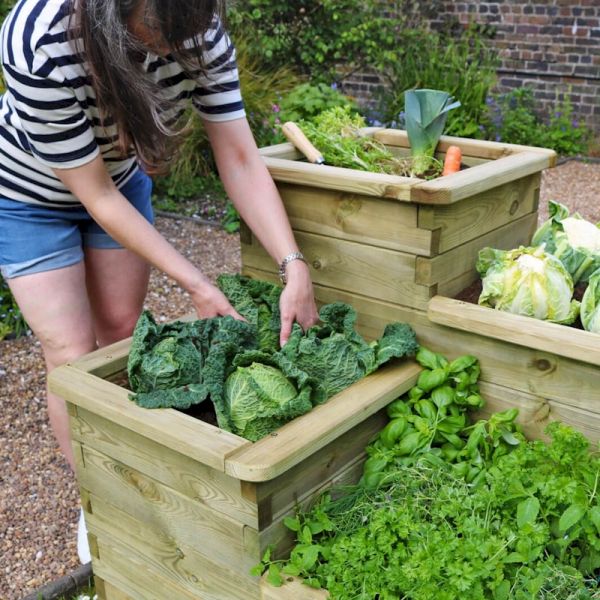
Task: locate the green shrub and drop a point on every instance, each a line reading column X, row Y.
column 514, row 118
column 461, row 65
column 317, row 38
column 11, row 319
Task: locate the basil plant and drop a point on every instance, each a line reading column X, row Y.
column 529, row 282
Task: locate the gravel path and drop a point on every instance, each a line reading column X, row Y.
column 38, row 496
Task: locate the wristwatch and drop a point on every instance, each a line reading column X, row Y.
column 286, row 261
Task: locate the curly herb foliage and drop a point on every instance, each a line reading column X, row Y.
column 254, row 386
column 470, row 511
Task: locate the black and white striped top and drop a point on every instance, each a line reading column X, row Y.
column 48, row 114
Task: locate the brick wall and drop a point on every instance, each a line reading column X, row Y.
column 553, row 46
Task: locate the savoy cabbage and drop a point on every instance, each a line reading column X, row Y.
column 254, row 385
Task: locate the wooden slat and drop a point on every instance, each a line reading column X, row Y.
column 286, row 151
column 200, row 483
column 174, row 562
column 524, row 331
column 462, row 259
column 226, row 541
column 192, row 437
column 105, row 361
column 536, row 412
column 563, row 379
column 470, row 147
column 467, row 183
column 338, row 178
column 355, row 217
column 293, row 589
column 303, row 436
column 387, row 274
column 484, row 212
column 278, row 496
column 107, row 591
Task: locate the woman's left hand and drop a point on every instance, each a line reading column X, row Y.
column 297, row 302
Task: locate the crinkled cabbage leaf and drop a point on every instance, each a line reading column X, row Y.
column 572, row 239
column 254, row 385
column 590, row 304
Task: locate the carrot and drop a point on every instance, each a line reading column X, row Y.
column 452, row 160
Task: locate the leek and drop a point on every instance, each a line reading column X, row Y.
column 426, row 112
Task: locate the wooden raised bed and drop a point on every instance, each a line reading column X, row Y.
column 399, row 239
column 178, row 509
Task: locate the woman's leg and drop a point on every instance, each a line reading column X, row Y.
column 56, row 307
column 117, row 281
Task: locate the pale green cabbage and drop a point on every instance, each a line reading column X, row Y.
column 527, row 281
column 590, row 304
column 572, row 239
column 260, row 398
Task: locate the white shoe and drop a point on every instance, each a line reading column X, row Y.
column 83, row 547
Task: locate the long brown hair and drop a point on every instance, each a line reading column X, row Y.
column 125, row 94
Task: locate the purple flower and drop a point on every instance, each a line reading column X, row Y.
column 275, row 108
column 575, row 123
column 334, row 86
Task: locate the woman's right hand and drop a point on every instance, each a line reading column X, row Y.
column 210, row 301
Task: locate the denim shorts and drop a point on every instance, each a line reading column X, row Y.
column 36, row 238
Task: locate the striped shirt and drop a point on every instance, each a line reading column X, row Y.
column 48, row 113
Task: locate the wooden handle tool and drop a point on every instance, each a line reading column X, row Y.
column 295, row 135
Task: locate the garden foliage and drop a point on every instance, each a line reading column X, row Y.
column 254, row 385
column 448, row 508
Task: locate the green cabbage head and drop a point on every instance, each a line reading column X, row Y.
column 572, row 239
column 259, row 398
column 527, row 281
column 590, row 304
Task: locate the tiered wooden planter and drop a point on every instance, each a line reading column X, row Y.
column 178, row 509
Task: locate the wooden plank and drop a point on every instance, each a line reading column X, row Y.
column 164, row 556
column 293, row 589
column 387, row 274
column 536, row 412
column 524, row 331
column 462, row 259
column 470, row 147
column 182, row 433
column 571, row 382
column 303, row 436
column 226, row 541
column 472, row 181
column 285, row 151
column 200, row 483
column 359, row 218
column 484, row 212
column 107, row 591
column 278, row 496
column 105, row 361
column 134, row 577
column 338, row 178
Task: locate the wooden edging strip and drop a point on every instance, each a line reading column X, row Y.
column 339, row 178
column 467, row 183
column 298, row 439
column 182, row 433
column 523, row 331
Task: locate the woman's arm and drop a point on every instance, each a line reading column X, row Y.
column 249, row 185
column 94, row 188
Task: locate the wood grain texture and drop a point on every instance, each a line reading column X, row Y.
column 356, row 217
column 484, row 212
column 303, row 436
column 182, row 433
column 461, row 260
column 388, row 275
column 523, row 331
column 175, row 563
column 338, row 178
column 202, row 484
column 472, row 181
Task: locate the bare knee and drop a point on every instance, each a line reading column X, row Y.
column 118, row 326
column 60, row 350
